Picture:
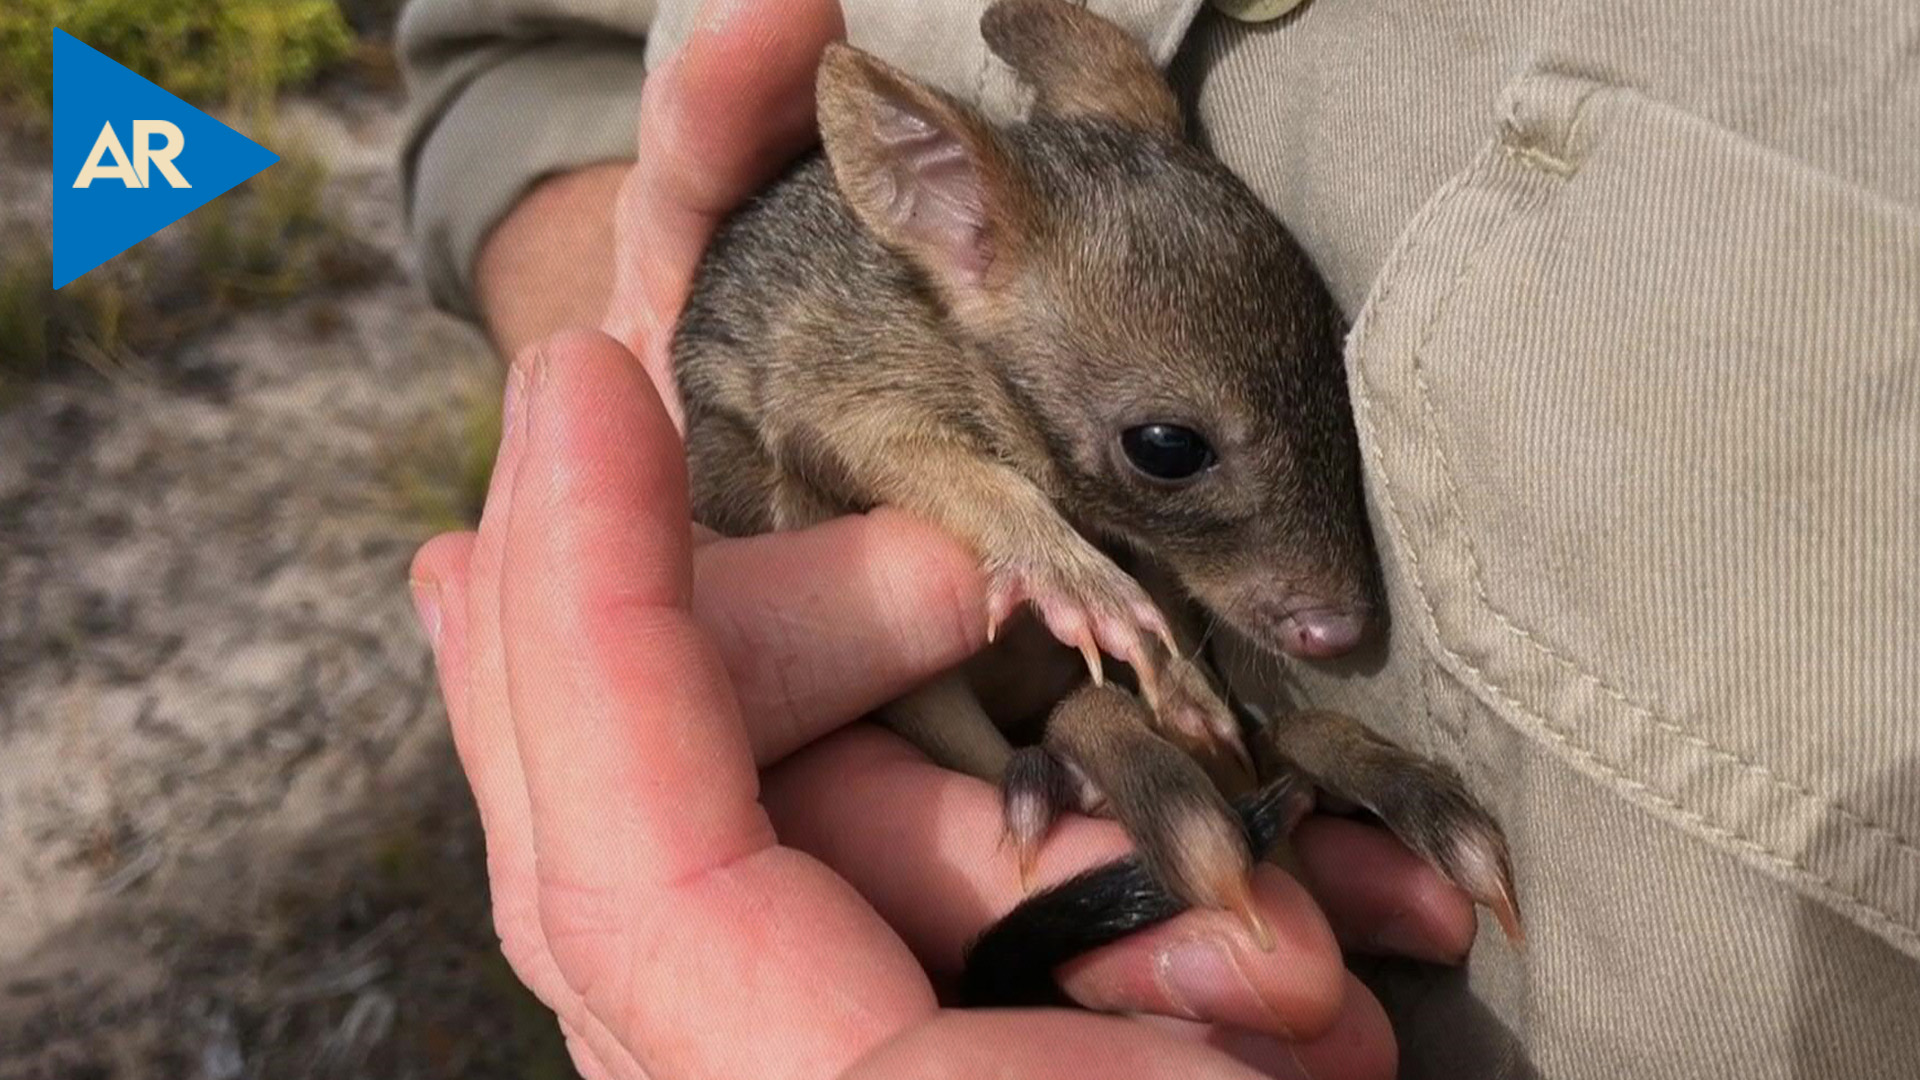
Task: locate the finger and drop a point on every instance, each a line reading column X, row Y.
column 1043, row 1044
column 585, row 1061
column 473, row 679
column 820, row 626
column 482, row 728
column 482, row 733
column 1265, row 1054
column 598, row 561
column 439, row 579
column 921, row 843
column 473, row 684
column 717, row 122
column 663, row 898
column 1359, row 1045
column 1187, row 967
column 1379, row 895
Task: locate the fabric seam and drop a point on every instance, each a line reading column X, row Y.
column 1559, row 172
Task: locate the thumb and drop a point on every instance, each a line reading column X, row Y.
column 717, row 122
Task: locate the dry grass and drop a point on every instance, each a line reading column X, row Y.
column 191, row 47
column 438, row 479
column 41, row 330
column 366, row 950
column 271, row 866
column 268, row 242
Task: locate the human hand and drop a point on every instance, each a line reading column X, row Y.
column 913, row 840
column 719, row 121
column 614, row 685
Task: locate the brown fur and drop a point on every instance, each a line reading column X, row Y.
column 962, row 320
column 1081, row 65
column 1186, row 833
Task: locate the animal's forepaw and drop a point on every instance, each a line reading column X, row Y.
column 1087, row 603
column 1186, row 706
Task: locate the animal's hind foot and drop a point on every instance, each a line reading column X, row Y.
column 1186, row 834
column 1034, row 791
column 1423, row 802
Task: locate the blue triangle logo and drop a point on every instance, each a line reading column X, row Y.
column 129, row 158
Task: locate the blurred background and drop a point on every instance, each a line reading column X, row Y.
column 234, row 841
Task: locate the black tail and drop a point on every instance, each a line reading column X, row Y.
column 1013, row 961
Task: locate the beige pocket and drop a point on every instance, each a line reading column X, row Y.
column 1641, row 405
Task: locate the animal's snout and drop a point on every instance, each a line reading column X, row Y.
column 1316, row 630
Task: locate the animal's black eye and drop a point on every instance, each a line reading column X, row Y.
column 1167, row 451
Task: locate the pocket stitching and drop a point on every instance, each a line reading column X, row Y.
column 1559, row 173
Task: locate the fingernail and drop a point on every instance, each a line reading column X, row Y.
column 1203, row 980
column 1271, row 1056
column 1401, row 936
column 426, row 604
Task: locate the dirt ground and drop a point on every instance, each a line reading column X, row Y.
column 233, row 838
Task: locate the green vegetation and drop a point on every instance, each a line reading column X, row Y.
column 439, row 477
column 26, row 301
column 269, row 242
column 191, row 47
column 39, row 328
column 277, row 240
column 264, row 244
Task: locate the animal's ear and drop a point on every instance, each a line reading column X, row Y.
column 925, row 174
column 1079, row 64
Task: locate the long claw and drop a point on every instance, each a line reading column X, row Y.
column 1121, row 641
column 1157, row 623
column 1033, row 792
column 1151, row 685
column 1203, row 721
column 1166, row 639
column 1257, row 927
column 1092, row 607
column 1508, row 915
column 1424, row 803
column 1027, row 854
column 1094, row 668
column 1237, row 896
column 1475, row 857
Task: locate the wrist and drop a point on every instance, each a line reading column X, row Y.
column 548, row 265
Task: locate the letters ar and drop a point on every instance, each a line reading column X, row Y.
column 145, row 156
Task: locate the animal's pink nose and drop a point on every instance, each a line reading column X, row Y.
column 1321, row 633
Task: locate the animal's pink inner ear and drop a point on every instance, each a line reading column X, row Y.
column 924, row 173
column 932, row 194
